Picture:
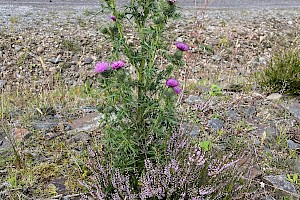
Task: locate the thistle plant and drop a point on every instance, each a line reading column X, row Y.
column 139, row 95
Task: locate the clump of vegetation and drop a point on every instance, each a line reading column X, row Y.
column 283, row 73
column 144, row 153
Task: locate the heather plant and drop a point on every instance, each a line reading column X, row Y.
column 139, row 95
column 283, row 73
column 190, row 172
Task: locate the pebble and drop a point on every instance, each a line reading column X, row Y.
column 216, row 124
column 88, row 60
column 193, row 99
column 293, row 145
column 2, row 83
column 293, row 107
column 55, row 60
column 274, row 97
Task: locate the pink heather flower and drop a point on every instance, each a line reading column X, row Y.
column 113, row 18
column 118, row 64
column 181, row 46
column 177, row 90
column 171, row 82
column 101, row 67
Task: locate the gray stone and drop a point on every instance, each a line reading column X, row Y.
column 195, row 132
column 250, row 112
column 55, row 60
column 293, row 107
column 274, row 97
column 296, row 166
column 193, row 99
column 2, row 83
column 44, row 126
column 261, row 129
column 217, row 57
column 269, row 198
column 89, row 122
column 88, row 60
column 293, row 145
column 216, row 124
column 280, row 182
column 231, row 114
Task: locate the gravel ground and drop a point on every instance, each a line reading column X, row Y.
column 44, row 44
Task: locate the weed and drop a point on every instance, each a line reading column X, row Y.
column 71, row 45
column 282, row 74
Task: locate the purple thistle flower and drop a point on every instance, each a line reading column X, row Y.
column 114, row 18
column 181, row 46
column 177, row 90
column 101, row 67
column 171, row 82
column 117, row 64
column 172, row 1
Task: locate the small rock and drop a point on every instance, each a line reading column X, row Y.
column 88, row 60
column 262, row 60
column 56, row 60
column 269, row 198
column 293, row 145
column 274, row 97
column 254, row 172
column 280, row 182
column 293, row 107
column 216, row 124
column 193, row 99
column 40, row 50
column 44, row 126
column 217, row 57
column 250, row 112
column 87, row 109
column 262, row 129
column 89, row 122
column 18, row 48
column 191, row 129
column 231, row 114
column 290, row 22
column 179, row 39
column 20, row 134
column 2, row 83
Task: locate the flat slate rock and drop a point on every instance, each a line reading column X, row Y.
column 293, row 106
column 280, row 182
column 274, row 97
column 216, row 124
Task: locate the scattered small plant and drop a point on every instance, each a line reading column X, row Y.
column 283, row 73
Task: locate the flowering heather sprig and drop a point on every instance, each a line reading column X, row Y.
column 182, row 46
column 114, row 18
column 101, row 67
column 117, row 64
column 171, row 82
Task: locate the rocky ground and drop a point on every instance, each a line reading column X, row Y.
column 47, row 82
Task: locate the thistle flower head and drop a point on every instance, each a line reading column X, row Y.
column 172, row 1
column 182, row 46
column 101, row 67
column 171, row 82
column 177, row 90
column 117, row 64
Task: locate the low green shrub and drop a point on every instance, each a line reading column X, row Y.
column 283, row 73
